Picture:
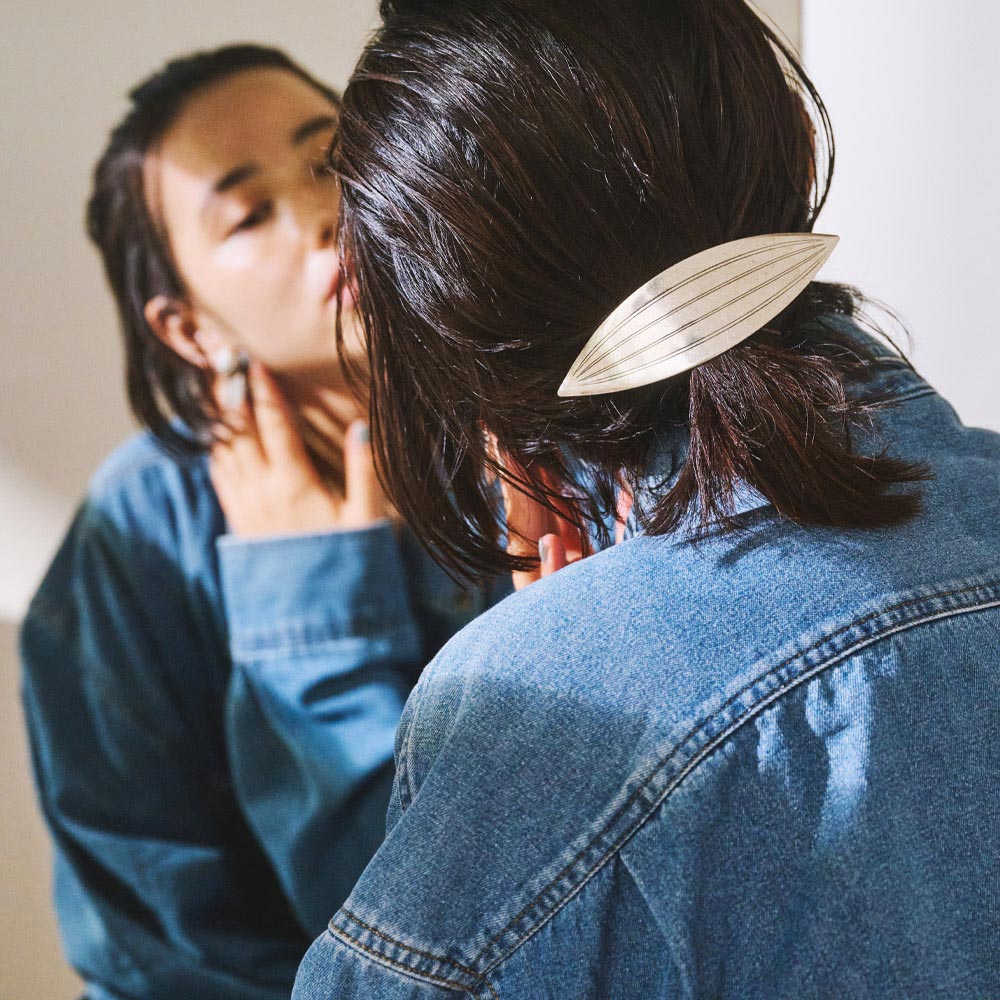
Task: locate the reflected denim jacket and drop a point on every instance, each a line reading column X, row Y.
column 211, row 722
column 760, row 765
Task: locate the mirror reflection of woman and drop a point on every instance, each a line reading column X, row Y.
column 216, row 662
column 751, row 750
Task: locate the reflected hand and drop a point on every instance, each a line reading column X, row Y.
column 532, row 528
column 266, row 482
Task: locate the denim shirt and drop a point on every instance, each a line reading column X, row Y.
column 765, row 764
column 211, row 722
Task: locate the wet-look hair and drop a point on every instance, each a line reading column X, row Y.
column 135, row 249
column 511, row 171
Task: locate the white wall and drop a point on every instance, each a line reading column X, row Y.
column 64, row 68
column 913, row 90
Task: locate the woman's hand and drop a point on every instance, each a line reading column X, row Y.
column 266, row 483
column 532, row 528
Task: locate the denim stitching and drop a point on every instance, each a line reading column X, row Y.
column 891, row 399
column 406, row 752
column 709, row 748
column 706, row 722
column 480, row 979
column 752, row 712
column 401, row 944
column 403, row 787
column 355, row 943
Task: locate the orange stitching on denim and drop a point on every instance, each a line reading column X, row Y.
column 436, row 980
column 648, row 780
column 694, row 731
column 405, row 946
column 480, row 979
column 489, row 986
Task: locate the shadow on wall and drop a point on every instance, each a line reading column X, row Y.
column 27, row 918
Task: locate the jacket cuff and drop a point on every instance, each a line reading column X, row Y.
column 288, row 592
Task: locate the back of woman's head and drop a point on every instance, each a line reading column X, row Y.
column 513, row 169
column 134, row 244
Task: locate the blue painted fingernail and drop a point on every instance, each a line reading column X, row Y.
column 543, row 549
column 364, row 435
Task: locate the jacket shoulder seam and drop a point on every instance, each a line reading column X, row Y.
column 464, row 980
column 651, row 790
column 715, row 729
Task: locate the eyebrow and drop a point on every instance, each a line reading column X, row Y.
column 245, row 171
column 311, row 127
column 234, row 177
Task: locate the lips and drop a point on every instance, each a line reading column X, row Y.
column 346, row 292
column 334, row 284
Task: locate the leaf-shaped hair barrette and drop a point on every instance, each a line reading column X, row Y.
column 696, row 310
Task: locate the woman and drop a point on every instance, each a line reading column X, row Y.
column 752, row 750
column 216, row 662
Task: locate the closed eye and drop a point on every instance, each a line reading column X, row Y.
column 319, row 169
column 259, row 215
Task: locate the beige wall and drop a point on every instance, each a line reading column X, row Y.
column 785, row 14
column 63, row 70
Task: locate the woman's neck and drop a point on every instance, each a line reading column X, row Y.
column 323, row 405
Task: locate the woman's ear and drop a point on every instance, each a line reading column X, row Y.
column 174, row 325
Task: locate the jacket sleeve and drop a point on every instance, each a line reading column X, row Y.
column 325, row 649
column 150, row 887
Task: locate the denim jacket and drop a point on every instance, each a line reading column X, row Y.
column 763, row 764
column 211, row 722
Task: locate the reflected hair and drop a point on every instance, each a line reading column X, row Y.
column 168, row 395
column 513, row 169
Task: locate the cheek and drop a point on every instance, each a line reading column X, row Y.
column 259, row 294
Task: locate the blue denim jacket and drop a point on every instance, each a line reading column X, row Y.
column 211, row 723
column 765, row 765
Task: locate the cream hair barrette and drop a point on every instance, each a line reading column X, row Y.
column 696, row 310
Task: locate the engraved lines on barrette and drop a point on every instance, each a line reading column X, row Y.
column 794, row 270
column 587, row 361
column 599, row 370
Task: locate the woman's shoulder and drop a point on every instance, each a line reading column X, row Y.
column 565, row 717
column 141, row 464
column 144, row 509
column 144, row 491
column 657, row 624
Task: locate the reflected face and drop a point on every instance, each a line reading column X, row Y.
column 251, row 217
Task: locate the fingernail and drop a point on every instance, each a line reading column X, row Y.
column 362, row 433
column 543, row 549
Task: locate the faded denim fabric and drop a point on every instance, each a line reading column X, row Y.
column 765, row 765
column 212, row 723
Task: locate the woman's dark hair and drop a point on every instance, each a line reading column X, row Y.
column 134, row 245
column 511, row 171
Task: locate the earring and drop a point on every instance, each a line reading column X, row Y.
column 232, row 365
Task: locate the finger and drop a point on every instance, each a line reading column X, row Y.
column 624, row 508
column 280, row 441
column 224, row 474
column 566, row 523
column 552, row 553
column 575, row 544
column 527, row 522
column 527, row 519
column 238, row 430
column 365, row 499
